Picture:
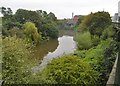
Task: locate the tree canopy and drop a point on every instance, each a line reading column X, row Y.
column 32, row 32
column 96, row 22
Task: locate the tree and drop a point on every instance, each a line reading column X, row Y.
column 3, row 10
column 50, row 30
column 23, row 16
column 44, row 13
column 96, row 22
column 6, row 11
column 9, row 11
column 31, row 32
column 52, row 17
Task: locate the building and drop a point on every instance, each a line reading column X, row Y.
column 70, row 22
column 119, row 8
column 115, row 17
column 75, row 18
column 73, row 21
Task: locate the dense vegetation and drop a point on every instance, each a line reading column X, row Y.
column 67, row 70
column 21, row 32
column 16, row 57
column 96, row 53
column 90, row 64
column 96, row 44
column 46, row 24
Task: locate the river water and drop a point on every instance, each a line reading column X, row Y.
column 55, row 48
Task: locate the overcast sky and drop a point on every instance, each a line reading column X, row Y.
column 64, row 8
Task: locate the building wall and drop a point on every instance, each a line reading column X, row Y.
column 115, row 18
column 76, row 17
column 119, row 8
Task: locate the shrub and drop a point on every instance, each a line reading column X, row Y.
column 84, row 40
column 16, row 67
column 101, row 58
column 69, row 70
column 95, row 40
column 108, row 33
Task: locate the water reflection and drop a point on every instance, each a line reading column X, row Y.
column 42, row 50
column 54, row 48
column 66, row 45
column 63, row 32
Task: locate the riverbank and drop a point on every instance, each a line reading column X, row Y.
column 97, row 49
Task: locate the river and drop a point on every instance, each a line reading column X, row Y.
column 55, row 48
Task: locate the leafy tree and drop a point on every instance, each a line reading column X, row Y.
column 6, row 11
column 9, row 24
column 3, row 10
column 31, row 32
column 96, row 22
column 52, row 17
column 44, row 13
column 50, row 30
column 23, row 16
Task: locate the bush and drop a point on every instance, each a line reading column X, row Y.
column 69, row 70
column 100, row 58
column 16, row 67
column 95, row 40
column 108, row 33
column 84, row 40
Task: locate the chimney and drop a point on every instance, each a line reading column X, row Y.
column 72, row 15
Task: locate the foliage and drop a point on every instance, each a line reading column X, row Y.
column 101, row 55
column 69, row 70
column 23, row 16
column 89, row 65
column 31, row 32
column 108, row 33
column 100, row 58
column 96, row 22
column 16, row 32
column 46, row 23
column 6, row 11
column 52, row 17
column 50, row 30
column 80, row 20
column 95, row 40
column 16, row 59
column 11, row 24
column 84, row 40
